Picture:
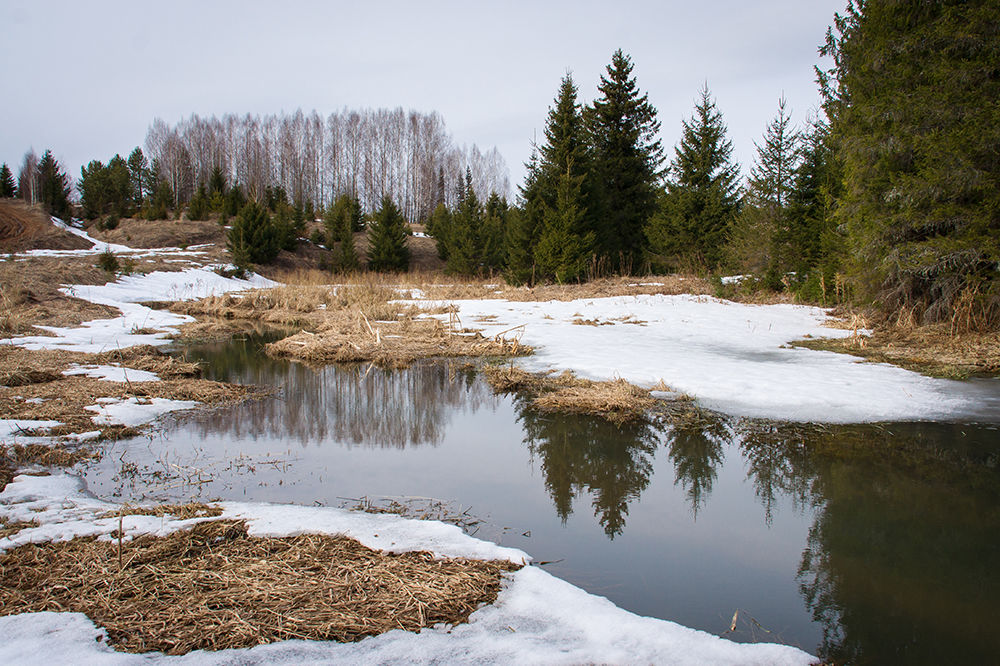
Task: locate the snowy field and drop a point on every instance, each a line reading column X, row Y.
column 730, row 357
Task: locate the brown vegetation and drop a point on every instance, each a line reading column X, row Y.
column 32, row 386
column 24, row 227
column 17, row 456
column 932, row 349
column 163, row 233
column 214, row 587
column 615, row 400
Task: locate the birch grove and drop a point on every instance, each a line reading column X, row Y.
column 369, row 154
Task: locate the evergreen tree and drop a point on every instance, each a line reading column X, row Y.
column 627, row 160
column 340, row 220
column 8, row 188
column 761, row 240
column 523, row 227
column 198, row 207
column 254, row 238
column 914, row 120
column 494, row 256
column 119, row 187
column 465, row 238
column 815, row 242
column 138, row 168
column 564, row 249
column 387, row 249
column 93, row 188
column 53, row 185
column 438, row 226
column 692, row 224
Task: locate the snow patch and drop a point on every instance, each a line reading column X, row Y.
column 132, row 412
column 112, row 373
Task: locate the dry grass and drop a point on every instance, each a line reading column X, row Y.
column 14, row 457
column 934, row 349
column 615, row 400
column 30, row 296
column 214, row 587
column 21, row 367
column 176, row 511
column 66, row 398
column 13, row 527
column 24, row 227
column 163, row 233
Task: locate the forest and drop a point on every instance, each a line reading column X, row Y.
column 887, row 197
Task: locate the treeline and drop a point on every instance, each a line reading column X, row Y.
column 369, row 154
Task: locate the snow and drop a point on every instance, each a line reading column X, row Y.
column 133, row 412
column 732, row 357
column 112, row 373
column 537, row 618
column 11, row 427
column 138, row 324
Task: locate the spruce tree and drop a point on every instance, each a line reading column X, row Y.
column 138, row 168
column 8, row 188
column 465, row 238
column 340, row 220
column 387, row 249
column 564, row 248
column 627, row 161
column 523, row 226
column 53, row 186
column 915, row 123
column 438, row 227
column 254, row 238
column 761, row 239
column 198, row 207
column 692, row 224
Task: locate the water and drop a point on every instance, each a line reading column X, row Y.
column 863, row 544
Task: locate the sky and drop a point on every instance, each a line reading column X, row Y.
column 86, row 79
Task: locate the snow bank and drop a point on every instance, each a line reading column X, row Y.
column 111, row 373
column 138, row 324
column 536, row 619
column 731, row 357
column 133, row 412
column 11, row 427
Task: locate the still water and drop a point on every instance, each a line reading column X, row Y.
column 863, row 544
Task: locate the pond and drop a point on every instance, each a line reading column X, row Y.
column 864, row 544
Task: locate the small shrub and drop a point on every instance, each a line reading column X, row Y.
column 317, row 237
column 108, row 262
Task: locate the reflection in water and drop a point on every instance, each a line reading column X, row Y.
column 902, row 519
column 696, row 451
column 359, row 405
column 900, row 563
column 588, row 454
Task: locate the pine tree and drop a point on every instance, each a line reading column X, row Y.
column 53, row 186
column 761, row 239
column 387, row 249
column 120, row 187
column 254, row 238
column 340, row 221
column 198, row 206
column 915, row 124
column 93, row 188
column 465, row 239
column 8, row 188
column 692, row 224
column 523, row 227
column 627, row 161
column 564, row 249
column 138, row 168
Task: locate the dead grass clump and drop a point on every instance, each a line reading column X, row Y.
column 162, row 233
column 16, row 456
column 615, row 400
column 931, row 349
column 177, row 511
column 213, row 587
column 149, row 358
column 13, row 527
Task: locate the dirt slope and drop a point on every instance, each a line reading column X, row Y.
column 24, row 227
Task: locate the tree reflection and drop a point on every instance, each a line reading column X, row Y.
column 696, row 451
column 588, row 454
column 360, row 405
column 899, row 565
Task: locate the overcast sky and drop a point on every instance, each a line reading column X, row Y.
column 86, row 78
